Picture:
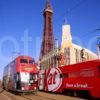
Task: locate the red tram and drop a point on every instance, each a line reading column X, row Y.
column 76, row 79
column 21, row 75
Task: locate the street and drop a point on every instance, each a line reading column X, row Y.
column 4, row 95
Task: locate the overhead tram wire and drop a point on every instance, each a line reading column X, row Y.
column 64, row 15
column 91, row 31
column 79, row 3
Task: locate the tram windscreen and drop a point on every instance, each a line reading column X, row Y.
column 31, row 61
column 23, row 61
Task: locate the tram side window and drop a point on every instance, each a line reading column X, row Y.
column 31, row 61
column 63, row 75
column 18, row 81
column 23, row 61
column 18, row 77
column 87, row 73
column 74, row 74
column 99, row 71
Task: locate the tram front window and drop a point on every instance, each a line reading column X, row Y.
column 31, row 61
column 33, row 78
column 23, row 61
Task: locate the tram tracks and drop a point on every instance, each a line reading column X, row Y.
column 45, row 97
column 7, row 95
column 36, row 97
column 11, row 96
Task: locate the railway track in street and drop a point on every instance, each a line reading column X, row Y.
column 49, row 96
column 36, row 97
column 5, row 95
column 11, row 96
column 8, row 97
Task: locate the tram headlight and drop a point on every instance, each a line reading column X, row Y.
column 35, row 88
column 23, row 88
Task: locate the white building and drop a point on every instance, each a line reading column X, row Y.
column 76, row 53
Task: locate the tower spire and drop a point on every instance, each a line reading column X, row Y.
column 48, row 7
column 48, row 1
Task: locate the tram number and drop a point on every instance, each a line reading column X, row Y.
column 52, row 78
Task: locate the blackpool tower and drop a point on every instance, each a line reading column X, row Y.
column 48, row 35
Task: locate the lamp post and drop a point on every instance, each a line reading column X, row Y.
column 56, row 55
column 98, row 45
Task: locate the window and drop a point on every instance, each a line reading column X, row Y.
column 74, row 74
column 68, row 56
column 17, row 77
column 77, row 55
column 87, row 73
column 31, row 61
column 99, row 70
column 23, row 61
column 32, row 76
column 64, row 75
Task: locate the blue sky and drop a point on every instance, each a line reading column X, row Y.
column 20, row 19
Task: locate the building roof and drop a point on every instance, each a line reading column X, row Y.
column 87, row 50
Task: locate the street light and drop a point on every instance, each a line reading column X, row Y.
column 55, row 56
column 98, row 45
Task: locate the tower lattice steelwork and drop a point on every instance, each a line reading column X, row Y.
column 48, row 35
